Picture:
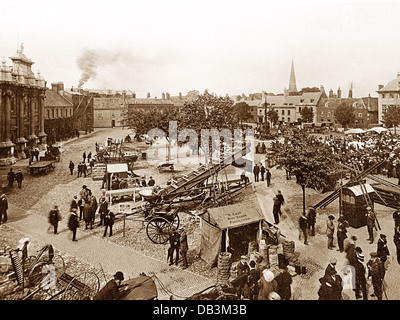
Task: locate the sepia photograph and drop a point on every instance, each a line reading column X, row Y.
column 200, row 155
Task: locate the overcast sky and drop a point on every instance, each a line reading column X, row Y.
column 225, row 46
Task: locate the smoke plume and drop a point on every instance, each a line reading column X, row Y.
column 91, row 60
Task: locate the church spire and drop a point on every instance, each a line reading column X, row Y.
column 292, row 81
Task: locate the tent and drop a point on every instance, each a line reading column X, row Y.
column 355, row 131
column 230, row 228
column 377, row 129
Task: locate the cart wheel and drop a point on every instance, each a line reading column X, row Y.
column 85, row 285
column 40, row 270
column 175, row 223
column 158, row 230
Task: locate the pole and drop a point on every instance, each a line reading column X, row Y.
column 124, row 224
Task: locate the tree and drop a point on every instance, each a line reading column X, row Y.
column 208, row 112
column 273, row 116
column 307, row 114
column 391, row 117
column 308, row 159
column 242, row 112
column 344, row 114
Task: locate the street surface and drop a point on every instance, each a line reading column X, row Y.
column 30, row 205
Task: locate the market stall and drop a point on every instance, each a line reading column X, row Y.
column 230, row 229
column 354, row 205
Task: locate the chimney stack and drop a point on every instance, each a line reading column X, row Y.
column 60, row 87
column 322, row 89
column 163, row 96
column 134, row 95
column 331, row 93
column 168, row 96
column 339, row 93
column 380, row 86
column 54, row 86
column 180, row 95
column 369, row 101
column 148, row 95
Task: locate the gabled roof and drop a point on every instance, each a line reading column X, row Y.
column 393, row 85
column 54, row 99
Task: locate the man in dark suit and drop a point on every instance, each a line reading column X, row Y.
column 19, row 177
column 256, row 171
column 382, row 248
column 183, row 246
column 262, row 172
column 111, row 291
column 268, row 177
column 331, row 286
column 174, row 244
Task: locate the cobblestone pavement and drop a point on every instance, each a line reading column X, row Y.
column 30, row 205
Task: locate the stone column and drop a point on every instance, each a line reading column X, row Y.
column 42, row 134
column 1, row 115
column 7, row 125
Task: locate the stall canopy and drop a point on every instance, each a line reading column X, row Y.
column 377, row 129
column 354, row 131
column 117, row 167
column 217, row 220
column 357, row 191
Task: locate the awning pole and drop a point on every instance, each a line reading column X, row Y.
column 226, row 240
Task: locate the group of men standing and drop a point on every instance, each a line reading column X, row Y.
column 178, row 243
column 258, row 170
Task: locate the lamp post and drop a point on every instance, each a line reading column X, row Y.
column 266, row 115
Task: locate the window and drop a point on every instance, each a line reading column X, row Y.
column 288, row 119
column 48, row 114
column 360, row 115
column 283, row 112
column 70, row 112
column 384, row 108
column 311, row 100
column 299, row 109
column 301, row 100
column 288, row 112
column 52, row 113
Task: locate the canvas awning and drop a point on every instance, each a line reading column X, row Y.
column 235, row 215
column 117, row 167
column 357, row 189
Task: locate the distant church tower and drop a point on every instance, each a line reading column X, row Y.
column 292, row 81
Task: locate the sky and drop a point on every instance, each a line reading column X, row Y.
column 227, row 47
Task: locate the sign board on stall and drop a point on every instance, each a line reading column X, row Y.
column 125, row 208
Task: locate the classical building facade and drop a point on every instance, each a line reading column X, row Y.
column 22, row 111
column 389, row 95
